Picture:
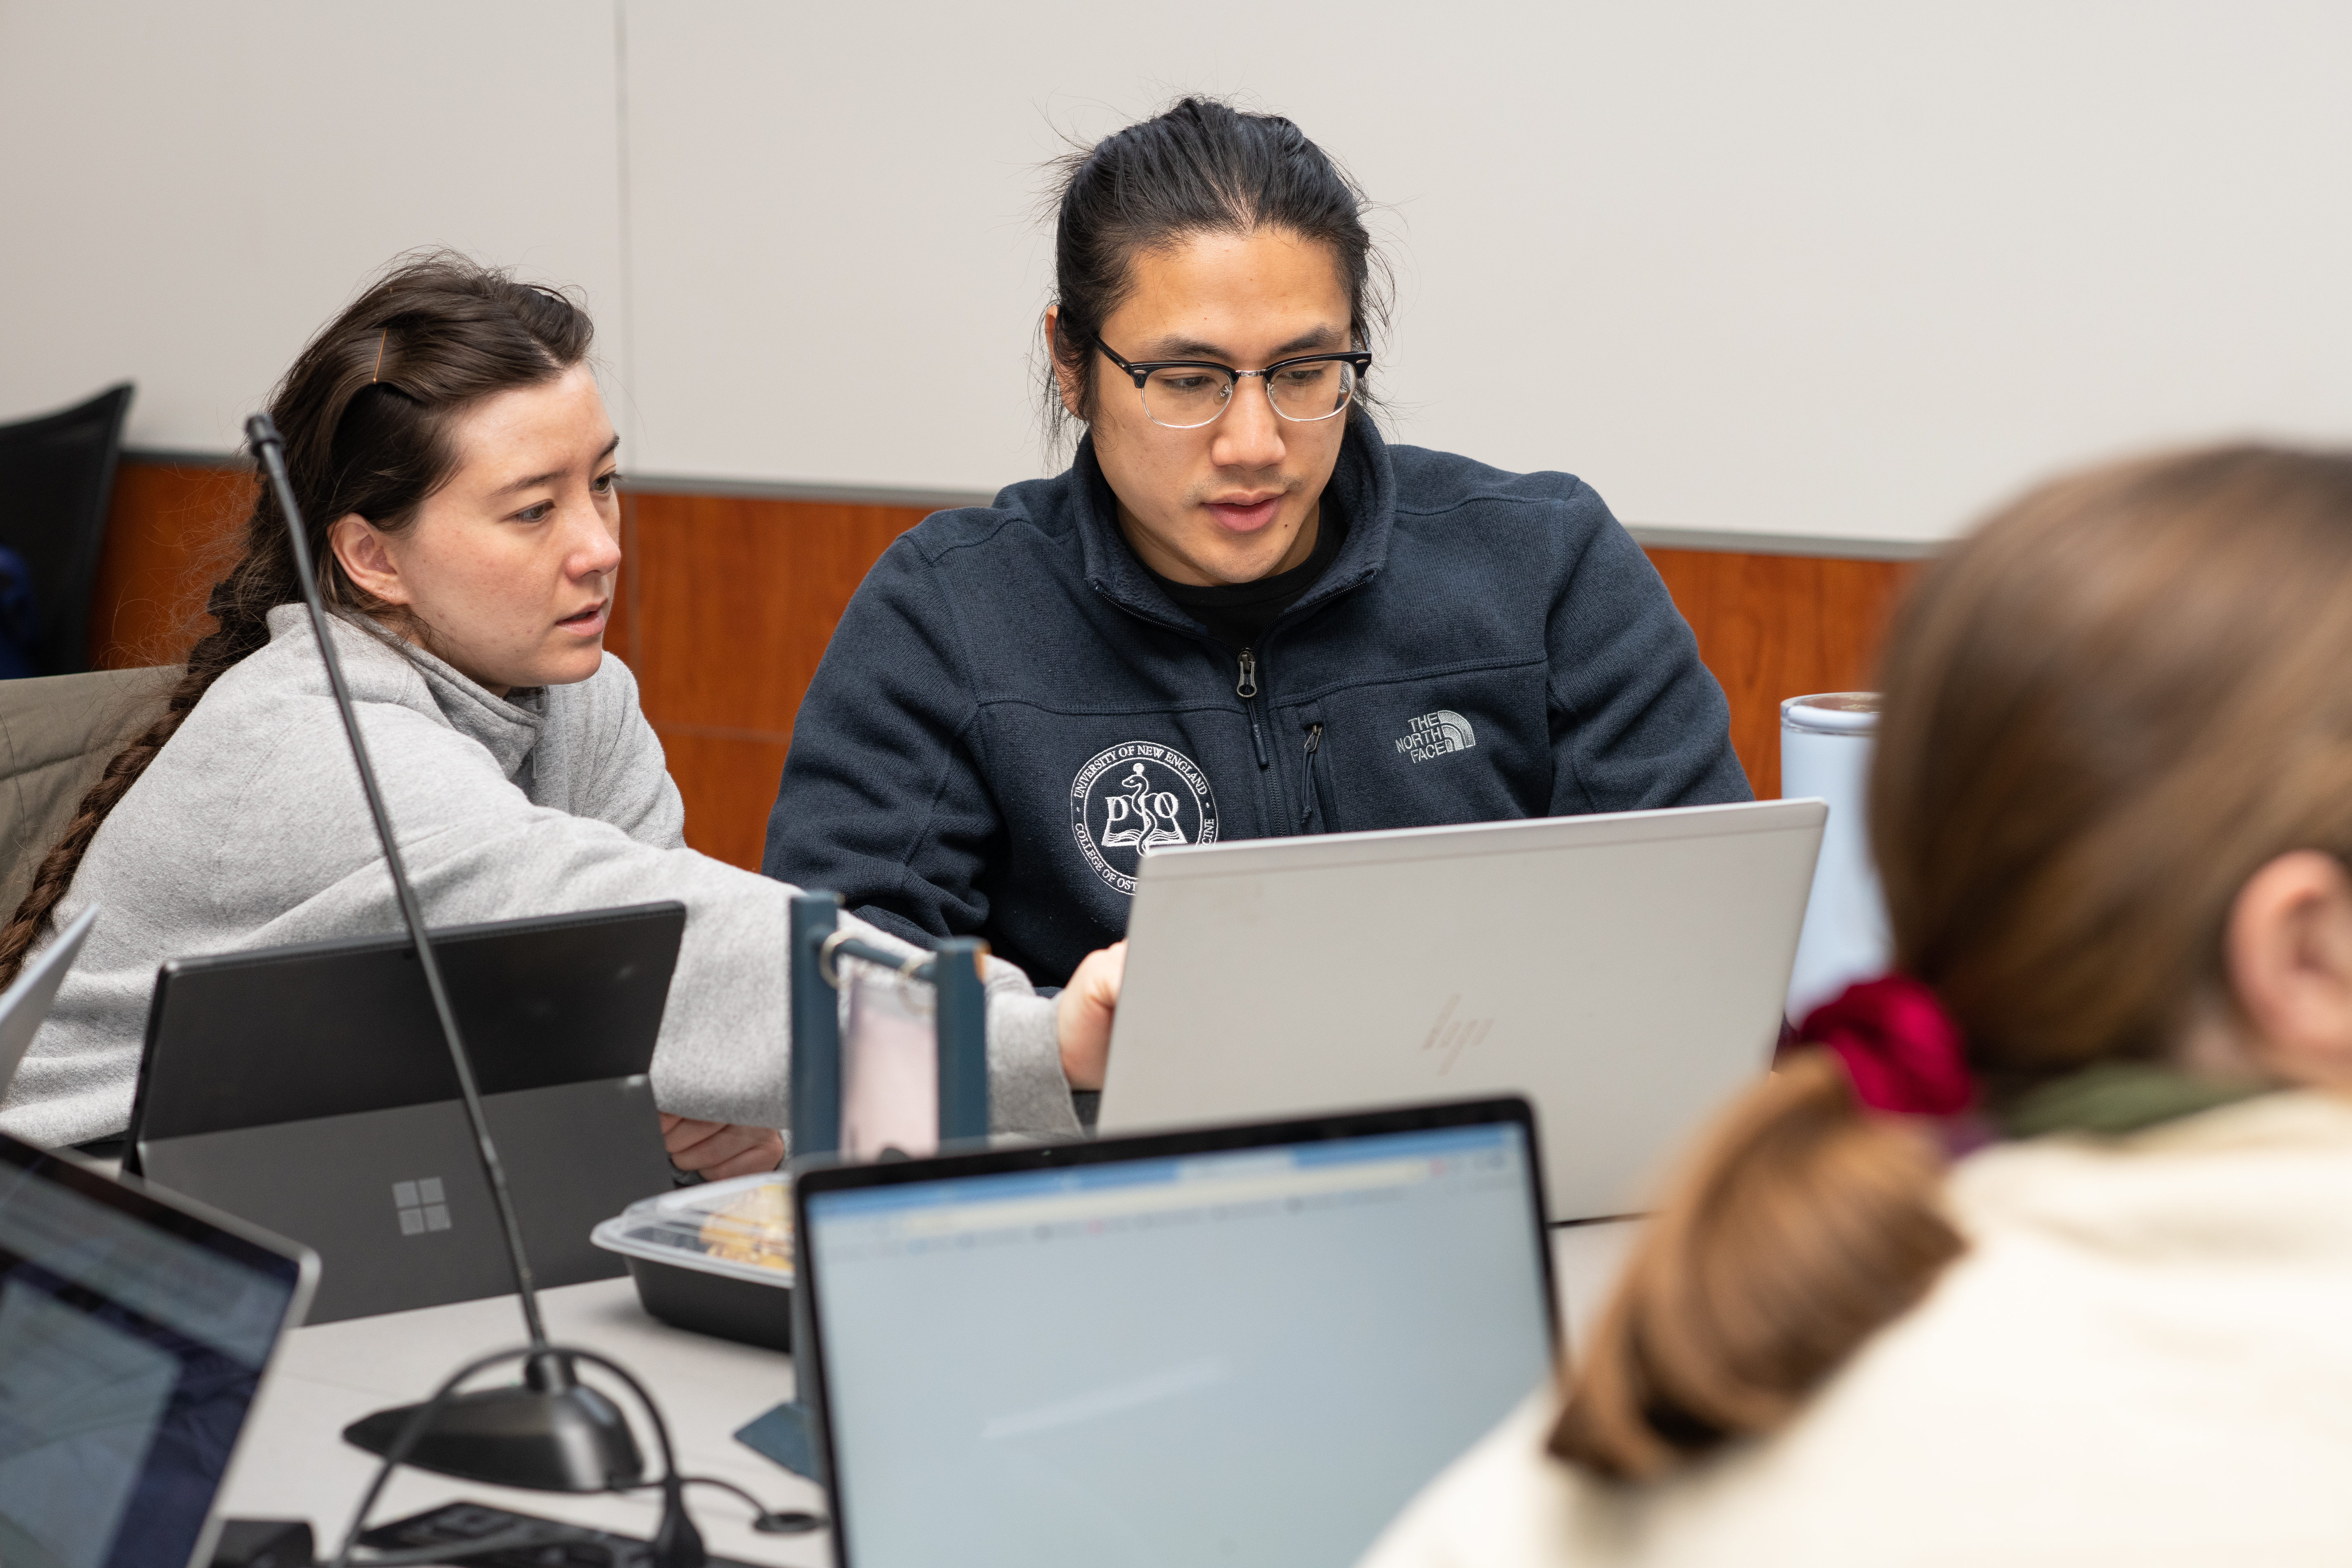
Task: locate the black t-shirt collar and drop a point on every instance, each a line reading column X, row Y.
column 1361, row 493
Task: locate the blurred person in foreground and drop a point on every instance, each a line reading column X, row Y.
column 2039, row 1249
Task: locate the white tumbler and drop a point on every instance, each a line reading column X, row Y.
column 1825, row 746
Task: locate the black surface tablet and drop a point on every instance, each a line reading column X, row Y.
column 309, row 1090
column 323, row 1028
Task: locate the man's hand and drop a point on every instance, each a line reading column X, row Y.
column 720, row 1149
column 1083, row 1015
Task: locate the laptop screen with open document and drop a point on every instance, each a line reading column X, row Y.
column 1242, row 1346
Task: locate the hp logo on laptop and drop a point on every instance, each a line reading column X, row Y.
column 421, row 1205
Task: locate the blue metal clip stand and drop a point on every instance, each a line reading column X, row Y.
column 817, row 1029
column 963, row 1019
column 790, row 1434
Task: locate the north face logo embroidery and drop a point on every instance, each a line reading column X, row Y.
column 1133, row 799
column 1435, row 734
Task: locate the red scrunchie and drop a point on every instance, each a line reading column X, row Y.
column 1901, row 1048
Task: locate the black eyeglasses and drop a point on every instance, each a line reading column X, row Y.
column 1186, row 394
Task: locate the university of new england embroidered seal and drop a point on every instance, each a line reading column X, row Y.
column 1133, row 799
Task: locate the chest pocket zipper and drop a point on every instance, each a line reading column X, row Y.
column 1313, row 794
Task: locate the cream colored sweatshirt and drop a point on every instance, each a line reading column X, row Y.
column 2145, row 1358
column 249, row 830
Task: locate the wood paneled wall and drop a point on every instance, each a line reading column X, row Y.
column 732, row 603
column 726, row 605
column 171, row 531
column 1776, row 626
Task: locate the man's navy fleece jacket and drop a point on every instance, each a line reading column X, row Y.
column 1013, row 710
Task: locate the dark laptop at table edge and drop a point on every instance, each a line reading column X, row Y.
column 224, row 1341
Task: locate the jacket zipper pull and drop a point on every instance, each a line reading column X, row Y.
column 1314, row 739
column 1245, row 688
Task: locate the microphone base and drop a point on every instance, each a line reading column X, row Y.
column 559, row 1437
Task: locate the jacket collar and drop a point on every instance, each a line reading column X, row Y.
column 379, row 665
column 1362, row 489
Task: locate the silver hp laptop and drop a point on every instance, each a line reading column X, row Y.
column 134, row 1331
column 1242, row 1346
column 307, row 1089
column 26, row 1005
column 1626, row 973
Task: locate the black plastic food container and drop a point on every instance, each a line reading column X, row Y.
column 681, row 1281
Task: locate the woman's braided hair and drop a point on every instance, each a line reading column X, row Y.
column 365, row 412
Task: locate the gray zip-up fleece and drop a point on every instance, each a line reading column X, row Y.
column 249, row 830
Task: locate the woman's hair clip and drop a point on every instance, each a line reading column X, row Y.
column 1903, row 1052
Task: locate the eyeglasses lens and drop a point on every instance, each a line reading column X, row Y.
column 1186, row 396
column 1316, row 390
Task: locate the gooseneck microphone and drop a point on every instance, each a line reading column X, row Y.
column 554, row 1433
column 270, row 449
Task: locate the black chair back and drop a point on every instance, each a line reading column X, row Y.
column 57, row 478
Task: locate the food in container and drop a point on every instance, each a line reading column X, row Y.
column 716, row 1259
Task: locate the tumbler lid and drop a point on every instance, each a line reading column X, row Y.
column 1832, row 712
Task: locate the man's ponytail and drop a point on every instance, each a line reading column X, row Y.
column 1801, row 1226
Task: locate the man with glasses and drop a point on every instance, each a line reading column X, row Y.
column 1240, row 612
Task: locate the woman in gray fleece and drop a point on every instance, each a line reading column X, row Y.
column 455, row 465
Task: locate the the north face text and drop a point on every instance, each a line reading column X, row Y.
column 1435, row 734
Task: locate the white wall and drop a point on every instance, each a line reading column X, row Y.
column 1818, row 267
column 188, row 190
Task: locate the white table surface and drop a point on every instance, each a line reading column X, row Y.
column 293, row 1463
